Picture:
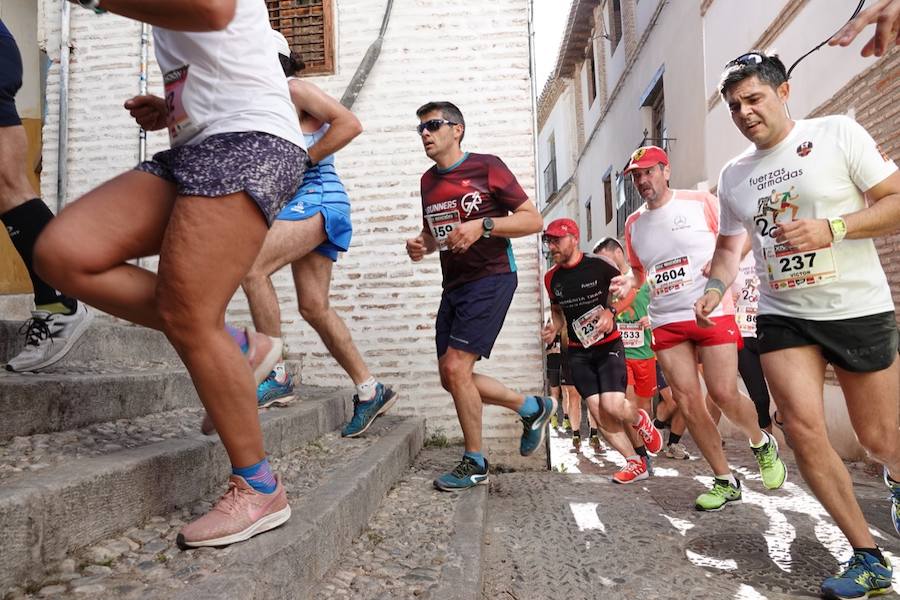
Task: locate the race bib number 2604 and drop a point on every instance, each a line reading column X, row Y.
column 670, row 276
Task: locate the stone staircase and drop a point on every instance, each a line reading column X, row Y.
column 102, row 461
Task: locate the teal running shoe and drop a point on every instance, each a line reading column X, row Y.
column 534, row 426
column 364, row 413
column 271, row 390
column 863, row 576
column 465, row 475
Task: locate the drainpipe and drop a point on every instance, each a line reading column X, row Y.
column 365, row 66
column 142, row 86
column 62, row 176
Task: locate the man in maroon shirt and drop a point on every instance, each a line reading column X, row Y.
column 467, row 199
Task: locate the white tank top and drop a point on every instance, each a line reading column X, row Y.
column 226, row 81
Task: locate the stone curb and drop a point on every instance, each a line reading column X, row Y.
column 72, row 506
column 44, row 403
column 126, row 343
column 288, row 562
column 461, row 579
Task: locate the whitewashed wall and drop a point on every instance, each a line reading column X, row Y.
column 474, row 54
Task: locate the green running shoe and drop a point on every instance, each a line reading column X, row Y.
column 721, row 493
column 771, row 467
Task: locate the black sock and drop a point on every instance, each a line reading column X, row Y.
column 641, row 451
column 593, row 432
column 674, row 438
column 660, row 424
column 873, row 552
column 24, row 224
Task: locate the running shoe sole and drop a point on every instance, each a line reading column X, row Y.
column 266, row 523
column 384, row 409
column 444, row 488
column 727, row 502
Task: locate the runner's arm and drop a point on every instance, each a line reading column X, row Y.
column 882, row 216
column 344, row 125
column 179, row 15
column 524, row 220
column 722, row 271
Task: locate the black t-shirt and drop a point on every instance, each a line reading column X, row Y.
column 582, row 292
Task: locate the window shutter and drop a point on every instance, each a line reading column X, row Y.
column 308, row 27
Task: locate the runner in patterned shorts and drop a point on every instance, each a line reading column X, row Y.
column 578, row 286
column 471, row 206
column 824, row 297
column 670, row 239
column 204, row 206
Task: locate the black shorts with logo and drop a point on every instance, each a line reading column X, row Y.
column 599, row 369
column 553, row 360
column 860, row 345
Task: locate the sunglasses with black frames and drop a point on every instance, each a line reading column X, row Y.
column 433, row 125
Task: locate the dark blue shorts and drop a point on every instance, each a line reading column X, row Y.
column 470, row 317
column 10, row 78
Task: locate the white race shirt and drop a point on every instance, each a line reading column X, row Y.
column 671, row 244
column 819, row 171
column 226, row 81
column 746, row 296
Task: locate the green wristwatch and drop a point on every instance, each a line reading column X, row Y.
column 838, row 228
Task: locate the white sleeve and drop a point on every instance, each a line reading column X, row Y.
column 728, row 222
column 867, row 165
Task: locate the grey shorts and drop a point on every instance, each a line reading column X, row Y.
column 267, row 167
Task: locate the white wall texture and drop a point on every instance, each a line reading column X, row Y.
column 474, row 55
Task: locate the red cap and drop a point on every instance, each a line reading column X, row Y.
column 647, row 156
column 561, row 228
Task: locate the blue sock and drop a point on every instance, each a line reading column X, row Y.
column 478, row 457
column 259, row 476
column 240, row 337
column 530, row 407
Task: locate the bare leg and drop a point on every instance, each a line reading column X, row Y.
column 722, row 360
column 574, row 406
column 611, row 427
column 15, row 189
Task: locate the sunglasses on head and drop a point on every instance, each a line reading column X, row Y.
column 433, row 125
column 751, row 58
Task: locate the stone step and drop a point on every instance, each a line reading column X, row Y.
column 334, row 485
column 35, row 403
column 46, row 514
column 104, row 340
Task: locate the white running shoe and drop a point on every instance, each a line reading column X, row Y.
column 49, row 337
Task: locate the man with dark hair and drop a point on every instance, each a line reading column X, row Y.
column 824, row 297
column 57, row 321
column 467, row 199
column 670, row 239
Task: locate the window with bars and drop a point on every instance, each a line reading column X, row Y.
column 309, row 29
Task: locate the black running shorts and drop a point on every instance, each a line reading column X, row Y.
column 599, row 369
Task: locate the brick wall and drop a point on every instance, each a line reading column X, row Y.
column 476, row 57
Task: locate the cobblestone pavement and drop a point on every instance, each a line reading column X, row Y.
column 401, row 554
column 576, row 535
column 144, row 562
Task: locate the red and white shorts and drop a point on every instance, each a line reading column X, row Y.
column 725, row 331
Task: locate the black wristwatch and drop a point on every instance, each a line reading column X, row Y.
column 487, row 225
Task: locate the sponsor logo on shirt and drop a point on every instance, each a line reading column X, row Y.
column 680, row 222
column 589, row 284
column 440, row 206
column 775, row 177
column 772, row 207
column 804, row 149
column 471, row 202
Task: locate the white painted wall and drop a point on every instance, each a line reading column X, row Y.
column 20, row 17
column 561, row 125
column 643, row 11
column 475, row 56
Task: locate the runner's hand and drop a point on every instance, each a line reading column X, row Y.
column 416, row 248
column 548, row 333
column 704, row 306
column 886, row 13
column 621, row 285
column 462, row 237
column 644, row 322
column 606, row 321
column 805, row 234
column 149, row 111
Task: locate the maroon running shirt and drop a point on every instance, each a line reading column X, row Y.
column 478, row 186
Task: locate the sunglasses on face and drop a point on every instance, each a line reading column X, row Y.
column 551, row 239
column 433, row 125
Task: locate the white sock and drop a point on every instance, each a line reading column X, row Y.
column 366, row 389
column 729, row 477
column 280, row 373
column 761, row 443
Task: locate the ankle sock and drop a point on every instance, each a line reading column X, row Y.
column 674, row 438
column 280, row 372
column 366, row 390
column 24, row 224
column 729, row 477
column 240, row 337
column 660, row 424
column 873, row 552
column 477, row 458
column 57, row 308
column 593, row 432
column 530, row 407
column 765, row 440
column 641, row 451
column 259, row 476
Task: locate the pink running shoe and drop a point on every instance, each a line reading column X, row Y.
column 650, row 434
column 240, row 513
column 263, row 354
column 634, row 470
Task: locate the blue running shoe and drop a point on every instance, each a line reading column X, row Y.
column 895, row 500
column 465, row 475
column 533, row 427
column 863, row 577
column 271, row 390
column 365, row 412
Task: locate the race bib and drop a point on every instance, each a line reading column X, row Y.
column 632, row 334
column 746, row 320
column 790, row 269
column 586, row 328
column 670, row 276
column 179, row 122
column 441, row 225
